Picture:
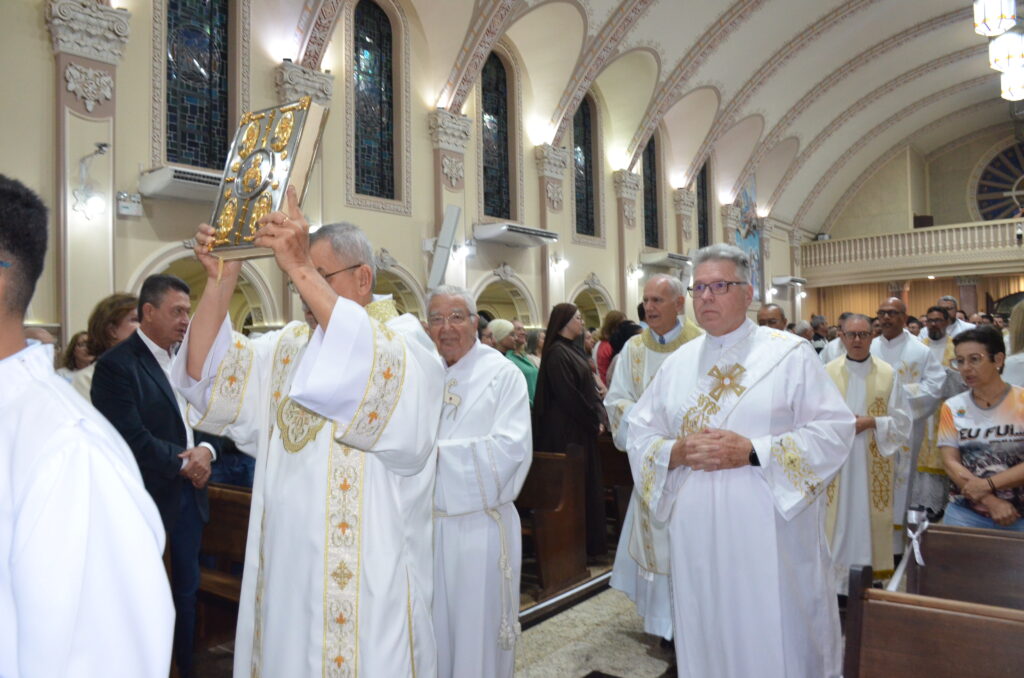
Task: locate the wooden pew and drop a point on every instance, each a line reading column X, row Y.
column 892, row 634
column 220, row 581
column 970, row 564
column 618, row 479
column 552, row 507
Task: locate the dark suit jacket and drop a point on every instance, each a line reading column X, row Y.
column 131, row 390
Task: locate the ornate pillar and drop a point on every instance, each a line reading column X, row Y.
column 627, row 188
column 967, row 292
column 88, row 41
column 730, row 223
column 552, row 163
column 684, row 204
column 794, row 265
column 449, row 133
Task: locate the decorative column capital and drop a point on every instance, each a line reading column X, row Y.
column 449, row 131
column 896, row 287
column 552, row 161
column 88, row 29
column 794, row 238
column 627, row 184
column 730, row 222
column 592, row 281
column 964, row 281
column 295, row 81
column 684, row 200
column 385, row 260
column 504, row 272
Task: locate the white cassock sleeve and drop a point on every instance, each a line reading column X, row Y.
column 90, row 589
column 230, row 398
column 484, row 472
column 925, row 396
column 817, row 431
column 620, row 398
column 383, row 392
column 649, row 445
column 892, row 432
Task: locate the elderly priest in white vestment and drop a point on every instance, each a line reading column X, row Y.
column 859, row 516
column 642, row 559
column 484, row 450
column 338, row 577
column 733, row 444
column 83, row 590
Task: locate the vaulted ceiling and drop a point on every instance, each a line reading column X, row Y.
column 809, row 96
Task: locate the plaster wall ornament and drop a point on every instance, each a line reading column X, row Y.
column 295, row 81
column 552, row 161
column 88, row 29
column 504, row 272
column 449, row 131
column 896, row 287
column 553, row 190
column 627, row 184
column 454, row 170
column 964, row 281
column 684, row 200
column 592, row 280
column 730, row 222
column 90, row 85
column 385, row 260
column 629, row 213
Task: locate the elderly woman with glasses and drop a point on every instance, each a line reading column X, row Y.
column 980, row 437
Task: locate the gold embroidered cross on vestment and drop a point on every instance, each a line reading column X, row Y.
column 727, row 381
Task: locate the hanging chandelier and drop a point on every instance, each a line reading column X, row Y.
column 1011, row 84
column 1006, row 52
column 994, row 17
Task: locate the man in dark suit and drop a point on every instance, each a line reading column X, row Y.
column 131, row 388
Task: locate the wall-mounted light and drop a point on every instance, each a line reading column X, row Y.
column 931, row 277
column 559, row 264
column 463, row 250
column 803, row 295
column 634, row 273
column 87, row 201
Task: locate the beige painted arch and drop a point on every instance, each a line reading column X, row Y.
column 600, row 301
column 399, row 282
column 519, row 295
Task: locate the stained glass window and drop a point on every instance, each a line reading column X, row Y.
column 494, row 94
column 374, row 102
column 703, row 208
column 583, row 167
column 652, row 234
column 197, row 82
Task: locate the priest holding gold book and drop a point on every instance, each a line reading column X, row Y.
column 342, row 422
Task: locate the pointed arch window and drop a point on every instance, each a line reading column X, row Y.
column 652, row 230
column 374, row 101
column 703, row 208
column 583, row 153
column 197, row 103
column 497, row 175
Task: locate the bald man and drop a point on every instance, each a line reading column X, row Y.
column 923, row 378
column 772, row 315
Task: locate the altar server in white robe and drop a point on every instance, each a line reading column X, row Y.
column 83, row 590
column 642, row 559
column 859, row 515
column 923, row 378
column 484, row 450
column 338, row 569
column 733, row 444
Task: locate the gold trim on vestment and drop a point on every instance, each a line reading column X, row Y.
column 688, row 332
column 382, row 310
column 227, row 393
column 787, row 454
column 383, row 389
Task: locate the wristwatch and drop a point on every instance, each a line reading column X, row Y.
column 752, row 458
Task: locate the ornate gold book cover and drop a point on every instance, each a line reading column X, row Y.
column 273, row 148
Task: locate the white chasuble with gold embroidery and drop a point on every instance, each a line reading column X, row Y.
column 923, row 378
column 338, row 567
column 484, row 450
column 642, row 558
column 751, row 583
column 859, row 517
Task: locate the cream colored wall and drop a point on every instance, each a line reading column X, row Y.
column 949, row 174
column 882, row 205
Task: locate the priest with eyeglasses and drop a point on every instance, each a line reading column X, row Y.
column 733, row 444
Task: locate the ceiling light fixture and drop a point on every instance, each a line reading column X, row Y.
column 994, row 17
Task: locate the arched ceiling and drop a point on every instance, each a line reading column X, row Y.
column 835, row 86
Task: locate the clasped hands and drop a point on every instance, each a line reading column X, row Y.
column 711, row 450
column 197, row 465
column 979, row 491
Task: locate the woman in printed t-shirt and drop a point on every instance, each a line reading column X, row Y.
column 981, row 436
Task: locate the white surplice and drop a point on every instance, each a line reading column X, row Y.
column 484, row 452
column 852, row 540
column 923, row 379
column 83, row 590
column 931, row 484
column 641, row 566
column 753, row 595
column 338, row 566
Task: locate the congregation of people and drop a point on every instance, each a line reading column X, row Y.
column 385, row 456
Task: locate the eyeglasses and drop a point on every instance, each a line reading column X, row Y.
column 717, row 288
column 935, row 321
column 857, row 335
column 455, row 318
column 326, row 276
column 973, row 360
column 886, row 312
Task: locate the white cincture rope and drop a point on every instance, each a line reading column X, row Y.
column 507, row 632
column 920, row 519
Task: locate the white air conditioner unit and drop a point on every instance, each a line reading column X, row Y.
column 665, row 259
column 181, row 183
column 513, row 235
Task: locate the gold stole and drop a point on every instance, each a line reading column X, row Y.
column 930, row 459
column 878, row 385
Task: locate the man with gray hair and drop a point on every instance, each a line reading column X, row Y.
column 732, row 444
column 484, row 450
column 642, row 558
column 342, row 421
